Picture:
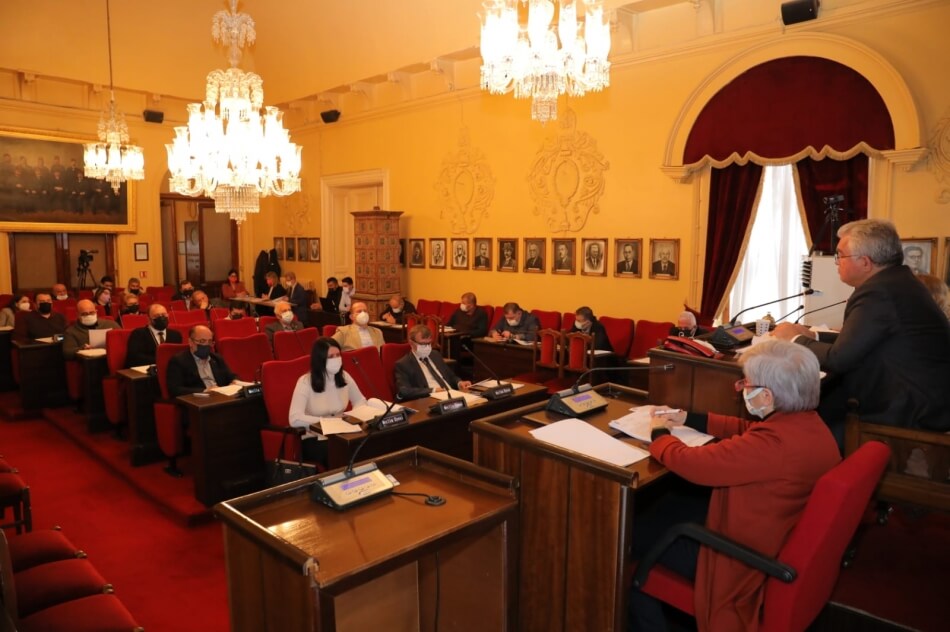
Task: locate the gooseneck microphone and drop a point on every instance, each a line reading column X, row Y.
column 482, row 362
column 496, row 392
column 371, row 425
column 812, row 311
column 797, row 309
column 365, row 376
column 805, row 292
column 580, row 400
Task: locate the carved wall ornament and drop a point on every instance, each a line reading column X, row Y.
column 939, row 158
column 296, row 213
column 466, row 186
column 567, row 177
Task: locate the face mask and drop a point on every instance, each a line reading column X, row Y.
column 132, row 309
column 512, row 322
column 62, row 297
column 160, row 323
column 396, row 310
column 203, row 351
column 24, row 307
column 237, row 316
column 463, row 307
column 135, row 291
column 362, row 318
column 89, row 321
column 348, row 290
column 423, row 351
column 334, row 365
column 45, row 308
column 287, row 316
column 288, row 285
column 581, row 325
column 755, row 412
column 187, row 292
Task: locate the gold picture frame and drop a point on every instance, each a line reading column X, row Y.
column 926, row 261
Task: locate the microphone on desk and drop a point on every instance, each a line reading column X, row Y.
column 812, row 311
column 581, row 399
column 805, row 292
column 727, row 339
column 797, row 309
column 371, row 425
column 496, row 392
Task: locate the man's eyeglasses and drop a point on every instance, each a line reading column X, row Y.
column 744, row 383
column 202, row 341
column 839, row 256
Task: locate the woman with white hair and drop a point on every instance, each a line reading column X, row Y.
column 761, row 474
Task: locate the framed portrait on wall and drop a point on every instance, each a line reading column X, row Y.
column 595, row 257
column 402, row 253
column 534, row 251
column 627, row 258
column 920, row 254
column 459, row 254
column 437, row 252
column 279, row 247
column 314, row 249
column 417, row 253
column 562, row 256
column 303, row 249
column 481, row 247
column 507, row 254
column 664, row 259
column 290, row 248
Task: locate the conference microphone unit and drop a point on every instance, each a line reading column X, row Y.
column 727, row 339
column 812, row 311
column 500, row 391
column 581, row 399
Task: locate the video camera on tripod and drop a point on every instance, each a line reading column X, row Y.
column 85, row 258
column 82, row 271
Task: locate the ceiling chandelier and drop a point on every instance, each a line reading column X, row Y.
column 538, row 62
column 233, row 149
column 113, row 159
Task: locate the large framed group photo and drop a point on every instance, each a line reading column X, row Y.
column 43, row 187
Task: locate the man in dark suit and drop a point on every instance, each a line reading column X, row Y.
column 197, row 369
column 534, row 260
column 482, row 259
column 663, row 265
column 893, row 351
column 284, row 323
column 423, row 371
column 296, row 295
column 563, row 260
column 185, row 291
column 630, row 264
column 42, row 323
column 145, row 340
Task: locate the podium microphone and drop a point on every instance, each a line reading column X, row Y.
column 582, row 399
column 812, row 311
column 496, row 392
column 805, row 292
column 797, row 309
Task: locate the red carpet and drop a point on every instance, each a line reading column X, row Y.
column 169, row 576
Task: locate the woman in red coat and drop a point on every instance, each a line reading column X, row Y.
column 761, row 474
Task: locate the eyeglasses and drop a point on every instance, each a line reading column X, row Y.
column 839, row 256
column 743, row 383
column 202, row 341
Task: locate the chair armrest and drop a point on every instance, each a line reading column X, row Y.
column 285, row 429
column 768, row 565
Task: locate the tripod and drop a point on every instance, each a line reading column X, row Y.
column 832, row 222
column 83, row 273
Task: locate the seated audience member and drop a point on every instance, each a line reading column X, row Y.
column 516, row 325
column 285, row 322
column 297, row 295
column 346, row 294
column 325, row 391
column 200, row 301
column 236, row 310
column 396, row 310
column 107, row 282
column 103, row 298
column 134, row 286
column 686, row 326
column 185, row 292
column 197, row 369
column 76, row 337
column 130, row 305
column 938, row 290
column 586, row 323
column 145, row 340
column 274, row 291
column 468, row 319
column 893, row 351
column 19, row 303
column 42, row 323
column 60, row 293
column 359, row 334
column 334, row 295
column 760, row 477
column 423, row 371
column 233, row 288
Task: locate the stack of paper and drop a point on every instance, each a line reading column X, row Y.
column 91, row 353
column 371, row 409
column 492, row 382
column 470, row 398
column 335, row 425
column 579, row 436
column 637, row 425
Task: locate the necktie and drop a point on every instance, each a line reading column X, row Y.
column 435, row 374
column 161, row 337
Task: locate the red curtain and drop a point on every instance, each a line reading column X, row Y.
column 820, row 179
column 731, row 198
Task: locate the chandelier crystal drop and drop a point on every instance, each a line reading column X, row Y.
column 113, row 159
column 234, row 149
column 544, row 59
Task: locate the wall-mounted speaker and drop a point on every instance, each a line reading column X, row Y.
column 799, row 11
column 153, row 116
column 330, row 116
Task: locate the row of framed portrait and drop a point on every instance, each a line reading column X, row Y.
column 920, row 255
column 298, row 248
column 593, row 258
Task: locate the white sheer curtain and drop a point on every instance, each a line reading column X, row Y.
column 771, row 268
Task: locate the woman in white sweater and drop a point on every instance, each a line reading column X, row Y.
column 326, row 391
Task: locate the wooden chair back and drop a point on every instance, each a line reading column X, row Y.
column 549, row 351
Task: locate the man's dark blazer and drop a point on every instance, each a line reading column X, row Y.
column 534, row 263
column 141, row 347
column 892, row 353
column 273, row 328
column 411, row 381
column 482, row 262
column 599, row 332
column 276, row 291
column 622, row 266
column 407, row 308
column 670, row 268
column 298, row 296
column 183, row 377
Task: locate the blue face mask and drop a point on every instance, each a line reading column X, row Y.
column 203, row 351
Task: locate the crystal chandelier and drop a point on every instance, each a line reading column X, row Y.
column 538, row 62
column 233, row 149
column 113, row 159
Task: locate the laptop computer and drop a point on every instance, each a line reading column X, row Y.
column 328, row 305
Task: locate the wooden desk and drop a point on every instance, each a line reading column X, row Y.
column 697, row 384
column 42, row 375
column 93, row 406
column 297, row 565
column 7, row 383
column 391, row 333
column 141, row 391
column 227, row 458
column 448, row 433
column 507, row 359
column 576, row 517
column 318, row 318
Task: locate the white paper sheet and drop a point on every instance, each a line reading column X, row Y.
column 372, row 408
column 230, row 390
column 579, row 436
column 92, row 353
column 335, row 425
column 492, row 382
column 470, row 398
column 637, row 425
column 143, row 369
column 97, row 338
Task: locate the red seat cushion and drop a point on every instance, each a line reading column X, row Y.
column 366, row 368
column 619, row 332
column 548, row 320
column 40, row 547
column 673, row 589
column 98, row 613
column 227, row 328
column 425, row 306
column 646, row 336
column 245, row 355
column 53, row 583
column 11, row 485
column 278, row 379
column 293, row 344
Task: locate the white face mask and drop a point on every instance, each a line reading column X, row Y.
column 334, row 365
column 287, row 316
column 348, row 290
column 89, row 320
column 362, row 318
column 62, row 297
column 423, row 351
column 396, row 310
column 581, row 325
column 463, row 307
column 24, row 306
column 512, row 322
column 760, row 412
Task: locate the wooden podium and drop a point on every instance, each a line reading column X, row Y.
column 394, row 563
column 697, row 384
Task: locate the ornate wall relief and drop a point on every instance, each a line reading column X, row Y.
column 939, row 158
column 295, row 210
column 466, row 186
column 567, row 177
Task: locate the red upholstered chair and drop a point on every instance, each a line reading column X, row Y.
column 619, row 332
column 245, row 356
column 190, row 317
column 646, row 336
column 71, row 313
column 548, row 320
column 220, row 313
column 15, row 495
column 499, row 314
column 390, row 354
column 490, row 313
column 278, row 380
column 41, row 547
column 85, row 294
column 702, row 321
column 113, row 389
column 227, row 328
column 54, row 583
column 293, row 344
column 264, row 321
column 329, row 330
column 434, row 323
column 176, row 306
column 803, row 574
column 133, row 321
column 448, row 308
column 366, row 368
column 567, row 321
column 58, row 306
column 548, row 362
column 169, row 427
column 97, row 613
column 163, row 293
column 427, row 307
column 183, row 329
